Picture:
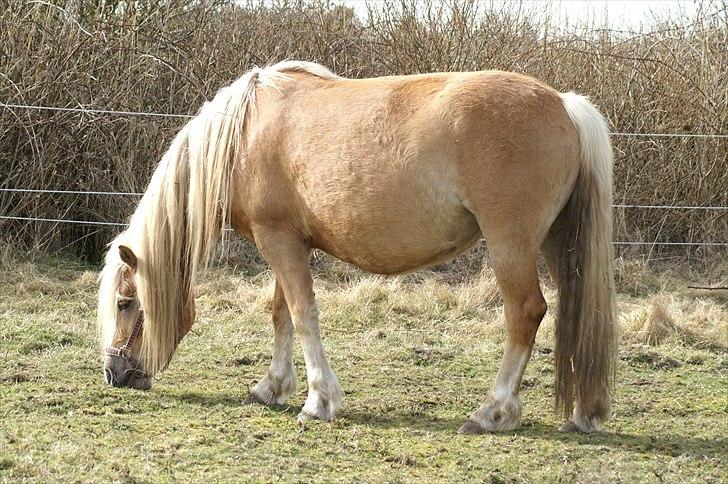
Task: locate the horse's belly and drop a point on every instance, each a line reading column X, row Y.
column 396, row 236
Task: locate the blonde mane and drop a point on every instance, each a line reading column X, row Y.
column 178, row 222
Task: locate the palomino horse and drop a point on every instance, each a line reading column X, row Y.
column 390, row 174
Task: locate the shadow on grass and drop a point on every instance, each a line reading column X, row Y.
column 398, row 420
column 233, row 402
column 668, row 445
column 208, row 400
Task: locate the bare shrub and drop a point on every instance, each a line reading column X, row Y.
column 171, row 56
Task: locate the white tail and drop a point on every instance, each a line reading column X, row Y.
column 585, row 341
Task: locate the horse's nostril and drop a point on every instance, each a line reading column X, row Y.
column 109, row 376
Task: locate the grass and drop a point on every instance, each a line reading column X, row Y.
column 415, row 355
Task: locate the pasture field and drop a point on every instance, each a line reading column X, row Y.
column 415, row 355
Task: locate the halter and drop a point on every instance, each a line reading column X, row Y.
column 125, row 351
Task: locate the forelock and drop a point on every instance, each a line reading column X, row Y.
column 110, row 281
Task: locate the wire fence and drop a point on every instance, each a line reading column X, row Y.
column 69, row 192
column 83, row 110
column 138, row 194
column 189, row 116
column 96, row 111
column 62, row 220
column 121, row 224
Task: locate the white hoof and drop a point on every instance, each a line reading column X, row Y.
column 494, row 416
column 587, row 426
column 273, row 389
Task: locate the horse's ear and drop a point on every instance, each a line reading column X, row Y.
column 128, row 257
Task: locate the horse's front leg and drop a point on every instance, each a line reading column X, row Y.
column 288, row 257
column 280, row 382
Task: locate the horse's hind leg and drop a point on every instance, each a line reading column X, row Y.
column 280, row 382
column 524, row 305
column 288, row 257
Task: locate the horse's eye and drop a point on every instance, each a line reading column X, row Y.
column 123, row 304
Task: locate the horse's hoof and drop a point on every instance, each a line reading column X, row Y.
column 568, row 426
column 304, row 417
column 471, row 427
column 253, row 399
column 585, row 428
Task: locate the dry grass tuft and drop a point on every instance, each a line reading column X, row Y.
column 655, row 304
column 658, row 322
column 675, row 316
column 634, row 276
column 482, row 293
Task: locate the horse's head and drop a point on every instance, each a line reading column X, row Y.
column 146, row 299
column 121, row 321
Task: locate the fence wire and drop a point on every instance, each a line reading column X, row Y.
column 120, row 224
column 96, row 111
column 62, row 220
column 189, row 116
column 68, row 192
column 137, row 194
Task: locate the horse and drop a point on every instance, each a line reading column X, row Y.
column 391, row 174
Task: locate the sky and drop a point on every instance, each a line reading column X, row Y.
column 618, row 14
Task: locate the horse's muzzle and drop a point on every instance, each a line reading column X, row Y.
column 125, row 372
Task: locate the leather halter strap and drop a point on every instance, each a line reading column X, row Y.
column 125, row 351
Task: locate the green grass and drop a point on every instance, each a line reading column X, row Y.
column 414, row 355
